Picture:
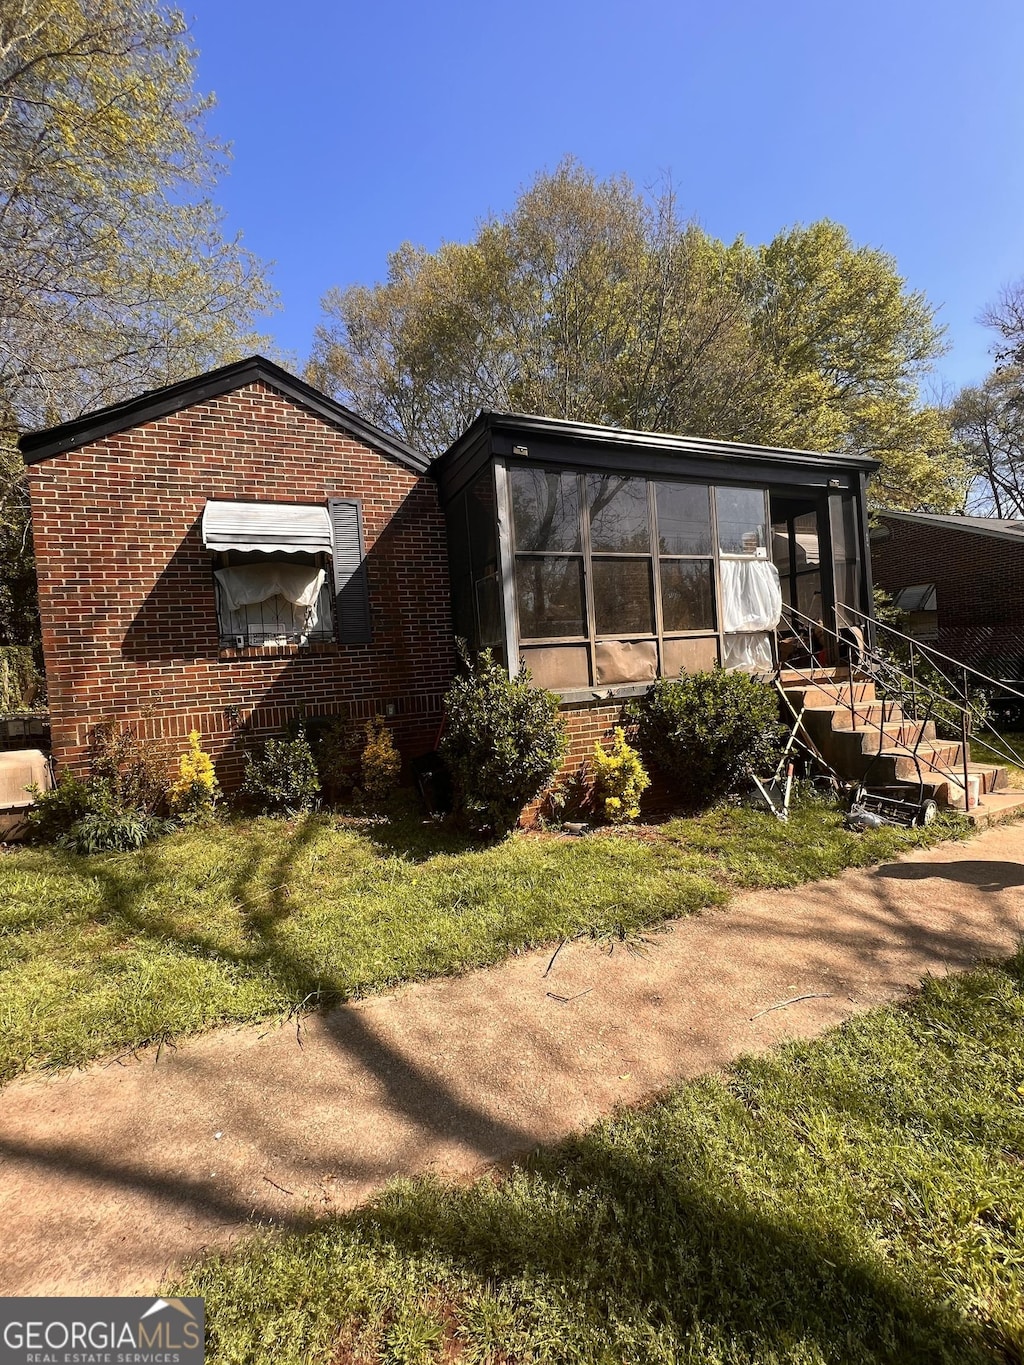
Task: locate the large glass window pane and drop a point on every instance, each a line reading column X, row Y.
column 483, row 526
column 684, row 518
column 550, row 597
column 618, row 514
column 622, row 597
column 545, row 509
column 488, row 610
column 741, row 521
column 808, row 551
column 687, row 600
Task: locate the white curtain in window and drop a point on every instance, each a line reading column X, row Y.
column 247, row 584
column 751, row 595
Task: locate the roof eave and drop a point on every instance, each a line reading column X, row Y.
column 593, row 434
column 147, row 407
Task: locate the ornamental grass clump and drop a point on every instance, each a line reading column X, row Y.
column 193, row 794
column 620, row 779
column 503, row 744
column 706, row 731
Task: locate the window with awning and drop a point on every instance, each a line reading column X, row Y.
column 288, row 573
column 267, row 527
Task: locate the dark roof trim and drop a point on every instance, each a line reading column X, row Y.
column 589, row 433
column 996, row 527
column 36, row 446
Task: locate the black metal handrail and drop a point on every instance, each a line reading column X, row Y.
column 881, row 665
column 930, row 652
column 978, row 718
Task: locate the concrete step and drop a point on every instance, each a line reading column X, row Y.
column 825, row 694
column 997, row 806
column 862, row 715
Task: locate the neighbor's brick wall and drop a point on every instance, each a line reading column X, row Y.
column 126, row 591
column 979, row 584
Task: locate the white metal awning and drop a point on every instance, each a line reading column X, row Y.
column 273, row 527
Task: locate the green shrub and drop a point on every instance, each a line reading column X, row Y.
column 620, row 779
column 113, row 831
column 704, row 730
column 503, row 743
column 335, row 743
column 54, row 812
column 115, row 807
column 284, row 780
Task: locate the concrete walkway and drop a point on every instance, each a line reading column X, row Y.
column 110, row 1177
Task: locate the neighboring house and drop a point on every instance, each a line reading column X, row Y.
column 237, row 550
column 961, row 582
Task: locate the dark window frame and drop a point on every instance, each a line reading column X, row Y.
column 591, row 636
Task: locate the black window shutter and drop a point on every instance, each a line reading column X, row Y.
column 352, row 598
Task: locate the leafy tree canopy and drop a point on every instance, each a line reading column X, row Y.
column 115, row 274
column 592, row 301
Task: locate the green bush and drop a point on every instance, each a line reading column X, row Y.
column 54, row 812
column 115, row 807
column 284, row 780
column 704, row 730
column 503, row 744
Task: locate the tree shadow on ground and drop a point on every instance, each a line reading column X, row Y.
column 600, row 1252
column 982, row 873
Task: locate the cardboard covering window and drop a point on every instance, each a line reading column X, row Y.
column 352, row 596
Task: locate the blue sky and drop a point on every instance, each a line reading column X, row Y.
column 356, row 128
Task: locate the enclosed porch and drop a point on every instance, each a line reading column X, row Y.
column 603, row 559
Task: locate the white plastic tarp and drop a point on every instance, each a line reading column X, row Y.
column 750, row 651
column 248, row 584
column 751, row 607
column 751, row 595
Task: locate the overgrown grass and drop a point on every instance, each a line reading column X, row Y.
column 242, row 920
column 855, row 1199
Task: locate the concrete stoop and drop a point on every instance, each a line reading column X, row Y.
column 861, row 735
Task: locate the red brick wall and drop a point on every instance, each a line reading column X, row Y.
column 979, row 584
column 126, row 591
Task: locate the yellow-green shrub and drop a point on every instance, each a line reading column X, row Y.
column 195, row 789
column 380, row 762
column 620, row 779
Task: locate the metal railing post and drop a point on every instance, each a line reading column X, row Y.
column 964, row 734
column 914, row 687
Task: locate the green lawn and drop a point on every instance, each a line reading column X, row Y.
column 858, row 1198
column 245, row 919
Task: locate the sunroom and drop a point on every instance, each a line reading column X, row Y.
column 603, row 559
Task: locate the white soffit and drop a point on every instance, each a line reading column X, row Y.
column 273, row 527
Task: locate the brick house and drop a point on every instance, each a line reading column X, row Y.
column 960, row 581
column 134, row 544
column 235, row 550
